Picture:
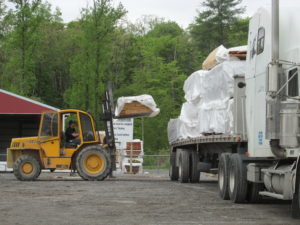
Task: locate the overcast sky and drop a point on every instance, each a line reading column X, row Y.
column 181, row 11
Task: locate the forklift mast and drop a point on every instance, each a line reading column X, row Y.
column 107, row 117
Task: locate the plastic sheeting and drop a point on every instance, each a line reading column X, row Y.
column 209, row 106
column 146, row 100
column 218, row 55
column 215, row 84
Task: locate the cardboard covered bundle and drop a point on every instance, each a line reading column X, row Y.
column 222, row 54
column 218, row 55
column 136, row 106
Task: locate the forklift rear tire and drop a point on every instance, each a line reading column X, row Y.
column 173, row 171
column 184, row 166
column 194, row 172
column 27, row 168
column 223, row 176
column 93, row 163
column 237, row 179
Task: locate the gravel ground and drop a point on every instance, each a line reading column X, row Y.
column 57, row 198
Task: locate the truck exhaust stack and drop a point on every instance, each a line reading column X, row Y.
column 273, row 67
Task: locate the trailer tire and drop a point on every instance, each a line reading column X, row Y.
column 183, row 166
column 194, row 172
column 237, row 179
column 223, row 171
column 173, row 171
column 253, row 195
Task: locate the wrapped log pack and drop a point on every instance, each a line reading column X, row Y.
column 136, row 106
column 218, row 55
column 209, row 102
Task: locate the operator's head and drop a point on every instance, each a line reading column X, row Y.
column 72, row 123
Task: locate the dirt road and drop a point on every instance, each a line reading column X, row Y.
column 60, row 199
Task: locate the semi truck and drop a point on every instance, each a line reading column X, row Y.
column 262, row 156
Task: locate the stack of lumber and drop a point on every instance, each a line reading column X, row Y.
column 136, row 107
column 241, row 55
column 217, row 56
column 222, row 54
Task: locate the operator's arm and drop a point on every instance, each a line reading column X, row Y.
column 75, row 134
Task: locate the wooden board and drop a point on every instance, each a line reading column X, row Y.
column 135, row 108
column 239, row 54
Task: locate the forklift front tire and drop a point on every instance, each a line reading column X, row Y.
column 27, row 168
column 93, row 163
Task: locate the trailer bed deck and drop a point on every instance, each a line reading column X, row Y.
column 220, row 138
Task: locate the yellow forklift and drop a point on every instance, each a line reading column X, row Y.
column 50, row 150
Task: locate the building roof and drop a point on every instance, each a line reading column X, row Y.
column 11, row 103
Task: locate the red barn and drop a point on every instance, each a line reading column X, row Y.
column 19, row 117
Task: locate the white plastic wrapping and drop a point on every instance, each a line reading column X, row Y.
column 209, row 106
column 222, row 54
column 146, row 100
column 215, row 84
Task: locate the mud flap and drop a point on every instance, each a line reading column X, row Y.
column 296, row 196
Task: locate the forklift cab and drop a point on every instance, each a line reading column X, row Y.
column 52, row 134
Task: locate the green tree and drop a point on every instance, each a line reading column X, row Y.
column 89, row 65
column 68, row 65
column 213, row 25
column 20, row 71
column 239, row 32
column 51, row 60
column 158, row 73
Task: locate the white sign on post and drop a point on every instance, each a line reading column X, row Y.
column 123, row 129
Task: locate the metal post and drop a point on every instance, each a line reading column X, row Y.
column 130, row 171
column 143, row 129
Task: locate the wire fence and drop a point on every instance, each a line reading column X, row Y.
column 145, row 164
column 154, row 164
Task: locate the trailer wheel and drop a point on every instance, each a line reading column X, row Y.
column 173, row 171
column 253, row 195
column 184, row 166
column 194, row 172
column 296, row 196
column 237, row 179
column 223, row 176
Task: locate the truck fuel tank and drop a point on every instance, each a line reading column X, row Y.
column 289, row 124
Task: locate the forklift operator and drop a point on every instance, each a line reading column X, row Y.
column 71, row 135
